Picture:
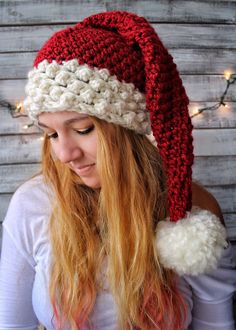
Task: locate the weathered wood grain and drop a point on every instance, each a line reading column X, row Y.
column 23, row 38
column 221, row 118
column 207, row 88
column 226, row 196
column 12, row 90
column 204, row 61
column 12, row 176
column 20, row 149
column 200, row 88
column 37, row 12
column 230, row 222
column 4, row 202
column 10, row 125
column 215, row 171
column 16, row 65
column 212, row 142
column 196, row 36
column 180, row 11
column 189, row 61
column 31, row 38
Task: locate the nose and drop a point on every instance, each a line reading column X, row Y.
column 68, row 151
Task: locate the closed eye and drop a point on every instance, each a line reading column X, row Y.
column 81, row 132
column 85, row 130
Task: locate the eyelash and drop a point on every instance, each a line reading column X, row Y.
column 80, row 132
column 52, row 136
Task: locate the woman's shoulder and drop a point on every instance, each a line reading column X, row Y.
column 32, row 193
column 27, row 218
column 30, row 204
column 203, row 199
column 36, row 186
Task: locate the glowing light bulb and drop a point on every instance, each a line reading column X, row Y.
column 195, row 112
column 224, row 109
column 25, row 126
column 227, row 75
column 19, row 107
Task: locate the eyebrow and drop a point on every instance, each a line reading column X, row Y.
column 66, row 122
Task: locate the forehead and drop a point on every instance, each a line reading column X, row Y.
column 46, row 119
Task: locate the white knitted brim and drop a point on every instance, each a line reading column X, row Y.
column 192, row 245
column 70, row 86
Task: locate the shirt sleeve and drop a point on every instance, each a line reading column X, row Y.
column 16, row 282
column 212, row 296
column 17, row 264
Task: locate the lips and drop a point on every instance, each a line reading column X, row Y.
column 85, row 169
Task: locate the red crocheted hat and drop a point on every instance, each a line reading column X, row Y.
column 114, row 66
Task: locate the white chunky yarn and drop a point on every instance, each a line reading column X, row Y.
column 70, row 86
column 193, row 245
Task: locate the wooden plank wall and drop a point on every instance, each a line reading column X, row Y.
column 201, row 35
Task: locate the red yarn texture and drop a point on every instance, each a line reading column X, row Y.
column 129, row 48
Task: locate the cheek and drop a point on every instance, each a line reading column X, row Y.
column 54, row 151
column 91, row 146
column 95, row 148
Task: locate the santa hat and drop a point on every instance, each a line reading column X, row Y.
column 114, row 66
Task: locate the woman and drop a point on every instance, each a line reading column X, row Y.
column 113, row 233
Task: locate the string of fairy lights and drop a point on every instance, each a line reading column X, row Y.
column 17, row 110
column 230, row 80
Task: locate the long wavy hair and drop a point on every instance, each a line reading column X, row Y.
column 111, row 231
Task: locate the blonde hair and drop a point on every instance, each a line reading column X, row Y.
column 115, row 224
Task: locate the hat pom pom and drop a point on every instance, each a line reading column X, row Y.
column 193, row 245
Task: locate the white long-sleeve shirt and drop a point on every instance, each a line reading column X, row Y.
column 24, row 274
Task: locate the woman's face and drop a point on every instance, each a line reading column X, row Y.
column 73, row 139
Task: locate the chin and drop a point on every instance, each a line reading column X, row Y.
column 94, row 184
